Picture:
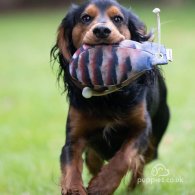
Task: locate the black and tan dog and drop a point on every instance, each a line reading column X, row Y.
column 123, row 128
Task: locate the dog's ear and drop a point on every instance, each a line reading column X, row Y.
column 64, row 47
column 64, row 37
column 63, row 43
column 137, row 28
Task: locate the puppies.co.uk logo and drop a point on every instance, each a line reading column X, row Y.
column 160, row 174
column 160, row 170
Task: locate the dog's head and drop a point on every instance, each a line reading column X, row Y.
column 95, row 22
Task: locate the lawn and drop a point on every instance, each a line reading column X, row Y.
column 33, row 111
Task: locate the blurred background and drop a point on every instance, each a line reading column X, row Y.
column 20, row 4
column 33, row 109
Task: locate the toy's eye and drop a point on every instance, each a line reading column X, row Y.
column 86, row 18
column 117, row 19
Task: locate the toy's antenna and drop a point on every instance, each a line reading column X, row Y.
column 169, row 51
column 157, row 12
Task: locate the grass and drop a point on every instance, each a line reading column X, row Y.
column 32, row 111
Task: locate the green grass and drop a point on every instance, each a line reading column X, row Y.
column 33, row 112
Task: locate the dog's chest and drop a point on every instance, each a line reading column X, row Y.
column 108, row 140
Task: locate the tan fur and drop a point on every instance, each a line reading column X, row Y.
column 114, row 11
column 93, row 161
column 83, row 34
column 82, row 123
column 72, row 173
column 92, row 10
column 127, row 158
column 136, row 117
column 62, row 44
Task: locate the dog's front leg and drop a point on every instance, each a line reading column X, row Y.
column 129, row 157
column 110, row 176
column 71, row 168
column 71, row 159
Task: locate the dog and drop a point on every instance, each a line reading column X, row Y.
column 123, row 128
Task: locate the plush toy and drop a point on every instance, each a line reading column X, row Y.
column 103, row 69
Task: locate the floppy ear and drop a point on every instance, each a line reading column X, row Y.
column 137, row 28
column 63, row 43
column 64, row 38
column 64, row 48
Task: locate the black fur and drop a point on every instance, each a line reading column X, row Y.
column 149, row 88
column 119, row 101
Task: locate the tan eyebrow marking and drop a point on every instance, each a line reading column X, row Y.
column 92, row 10
column 114, row 11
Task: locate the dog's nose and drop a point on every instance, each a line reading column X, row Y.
column 101, row 32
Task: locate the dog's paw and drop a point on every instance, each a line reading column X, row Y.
column 100, row 185
column 74, row 191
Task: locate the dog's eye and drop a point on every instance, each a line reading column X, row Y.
column 117, row 19
column 86, row 18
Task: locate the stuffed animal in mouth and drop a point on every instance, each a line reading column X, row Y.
column 103, row 69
